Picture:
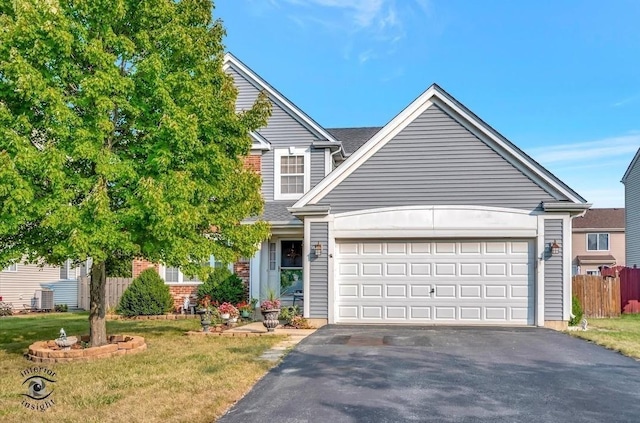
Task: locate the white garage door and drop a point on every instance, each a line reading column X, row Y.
column 448, row 282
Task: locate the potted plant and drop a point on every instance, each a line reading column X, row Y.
column 228, row 311
column 205, row 310
column 270, row 309
column 247, row 308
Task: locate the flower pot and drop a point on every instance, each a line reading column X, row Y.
column 271, row 319
column 233, row 319
column 205, row 325
column 245, row 314
column 224, row 316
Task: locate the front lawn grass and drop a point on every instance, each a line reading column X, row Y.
column 619, row 334
column 178, row 378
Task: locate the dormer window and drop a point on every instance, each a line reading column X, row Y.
column 291, row 178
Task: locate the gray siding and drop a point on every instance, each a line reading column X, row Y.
column 19, row 287
column 317, row 165
column 319, row 266
column 632, row 216
column 282, row 131
column 64, row 292
column 553, row 296
column 435, row 161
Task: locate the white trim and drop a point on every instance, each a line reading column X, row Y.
column 9, row 269
column 436, row 222
column 586, row 239
column 278, row 153
column 397, row 124
column 259, row 142
column 540, row 260
column 566, row 266
column 635, row 159
column 331, row 241
column 254, row 273
column 231, row 60
column 306, row 269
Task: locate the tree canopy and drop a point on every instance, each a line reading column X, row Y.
column 119, row 136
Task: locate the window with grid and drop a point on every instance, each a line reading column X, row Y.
column 292, row 175
column 598, row 242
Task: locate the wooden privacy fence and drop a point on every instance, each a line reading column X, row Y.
column 115, row 288
column 630, row 290
column 599, row 297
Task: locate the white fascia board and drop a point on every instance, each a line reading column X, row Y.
column 361, row 155
column 310, row 210
column 566, row 207
column 230, row 59
column 635, row 160
column 259, row 142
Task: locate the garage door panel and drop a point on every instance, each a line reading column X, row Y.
column 466, row 282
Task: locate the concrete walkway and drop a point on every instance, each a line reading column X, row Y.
column 281, row 348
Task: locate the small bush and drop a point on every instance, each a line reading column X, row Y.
column 146, row 296
column 223, row 287
column 576, row 310
column 62, row 308
column 6, row 309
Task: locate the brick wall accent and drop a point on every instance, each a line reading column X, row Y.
column 141, row 264
column 178, row 292
column 242, row 268
column 253, row 162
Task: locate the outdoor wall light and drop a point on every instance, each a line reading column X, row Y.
column 555, row 248
column 317, row 249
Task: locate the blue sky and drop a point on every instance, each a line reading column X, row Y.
column 560, row 79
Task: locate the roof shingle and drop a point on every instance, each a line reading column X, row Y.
column 600, row 219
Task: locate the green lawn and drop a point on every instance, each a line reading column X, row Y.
column 178, row 378
column 619, row 334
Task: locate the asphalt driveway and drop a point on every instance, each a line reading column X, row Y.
column 438, row 374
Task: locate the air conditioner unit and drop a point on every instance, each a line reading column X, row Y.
column 44, row 299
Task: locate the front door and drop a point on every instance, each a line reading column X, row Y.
column 290, row 268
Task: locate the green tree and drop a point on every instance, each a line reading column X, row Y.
column 119, row 138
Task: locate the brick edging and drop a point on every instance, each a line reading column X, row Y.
column 41, row 352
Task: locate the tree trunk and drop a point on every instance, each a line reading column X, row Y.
column 97, row 309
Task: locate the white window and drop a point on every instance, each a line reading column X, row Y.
column 175, row 275
column 67, row 271
column 291, row 173
column 598, row 242
column 272, row 256
column 593, row 272
column 11, row 268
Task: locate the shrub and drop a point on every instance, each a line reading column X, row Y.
column 223, row 287
column 61, row 308
column 576, row 310
column 146, row 296
column 288, row 313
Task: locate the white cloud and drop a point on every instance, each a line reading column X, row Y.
column 592, row 150
column 362, row 26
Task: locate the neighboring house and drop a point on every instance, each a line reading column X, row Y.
column 598, row 240
column 20, row 282
column 631, row 181
column 434, row 218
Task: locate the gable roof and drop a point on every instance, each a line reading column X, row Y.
column 354, row 138
column 436, row 95
column 635, row 160
column 600, row 219
column 231, row 61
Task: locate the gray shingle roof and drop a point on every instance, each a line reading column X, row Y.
column 600, row 218
column 276, row 211
column 353, row 138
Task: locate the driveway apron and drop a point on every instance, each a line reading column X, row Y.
column 444, row 374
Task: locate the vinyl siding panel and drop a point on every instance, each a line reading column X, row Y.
column 317, row 165
column 436, row 161
column 64, row 292
column 553, row 271
column 25, row 282
column 319, row 268
column 632, row 215
column 283, row 130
